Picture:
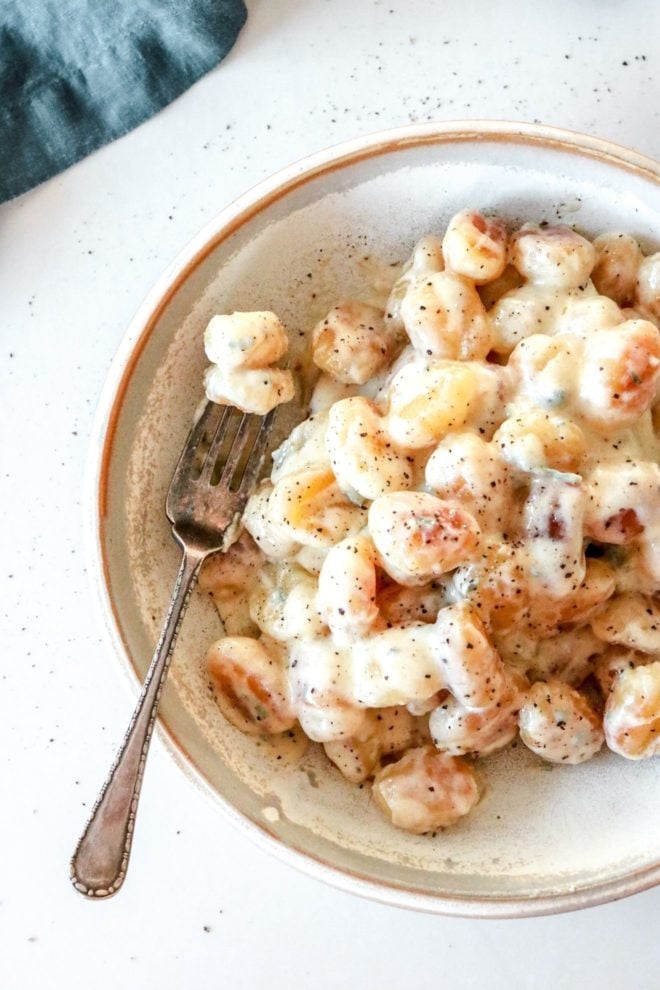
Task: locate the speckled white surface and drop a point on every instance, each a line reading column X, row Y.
column 202, row 906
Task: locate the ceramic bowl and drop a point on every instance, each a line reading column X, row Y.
column 543, row 839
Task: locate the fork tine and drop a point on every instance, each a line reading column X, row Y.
column 216, row 443
column 206, row 422
column 255, row 461
column 236, row 450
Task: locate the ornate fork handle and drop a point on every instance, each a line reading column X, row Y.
column 99, row 863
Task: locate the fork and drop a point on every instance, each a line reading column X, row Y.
column 216, row 472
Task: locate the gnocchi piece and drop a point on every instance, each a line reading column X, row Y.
column 429, row 400
column 632, row 713
column 472, row 669
column 326, row 718
column 395, row 729
column 630, row 620
column 445, row 318
column 554, row 516
column 538, row 439
column 274, row 541
column 545, row 370
column 618, row 259
column 552, row 256
column 458, row 731
column 310, row 507
column 250, row 686
column 521, row 312
column 227, row 578
column 364, row 459
column 245, row 340
column 250, row 390
column 420, row 537
column 355, row 758
column 305, row 447
column 647, row 288
column 242, row 347
column 426, row 259
column 396, row 666
column 558, row 724
column 475, row 247
column 352, row 344
column 619, row 374
column 425, row 790
column 531, row 310
column 320, row 685
column 622, row 500
column 283, row 603
column 496, row 583
column 386, row 731
column 469, row 469
column 347, row 589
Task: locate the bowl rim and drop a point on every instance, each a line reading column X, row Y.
column 103, row 433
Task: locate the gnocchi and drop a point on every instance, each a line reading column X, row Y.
column 552, row 256
column 558, row 723
column 347, row 589
column 460, row 544
column 418, row 537
column 243, row 347
column 458, row 731
column 472, row 471
column 426, row 259
column 445, row 318
column 364, row 459
column 312, row 509
column 352, row 344
column 429, row 400
column 632, row 712
column 618, row 259
column 475, row 247
column 250, row 685
column 425, row 790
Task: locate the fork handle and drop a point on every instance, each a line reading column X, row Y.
column 100, row 861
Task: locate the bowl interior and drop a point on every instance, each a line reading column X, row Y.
column 540, row 831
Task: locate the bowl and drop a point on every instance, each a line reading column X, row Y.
column 543, row 839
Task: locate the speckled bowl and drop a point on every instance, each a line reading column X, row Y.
column 543, row 839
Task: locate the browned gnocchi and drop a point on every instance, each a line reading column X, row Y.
column 426, row 790
column 558, row 723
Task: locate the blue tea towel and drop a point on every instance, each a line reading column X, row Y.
column 75, row 74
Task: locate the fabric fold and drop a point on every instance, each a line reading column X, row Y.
column 76, row 74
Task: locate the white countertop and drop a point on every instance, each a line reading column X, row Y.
column 203, row 907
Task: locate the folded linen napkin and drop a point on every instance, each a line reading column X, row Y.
column 75, row 74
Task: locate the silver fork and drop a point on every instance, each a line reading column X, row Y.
column 216, row 472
